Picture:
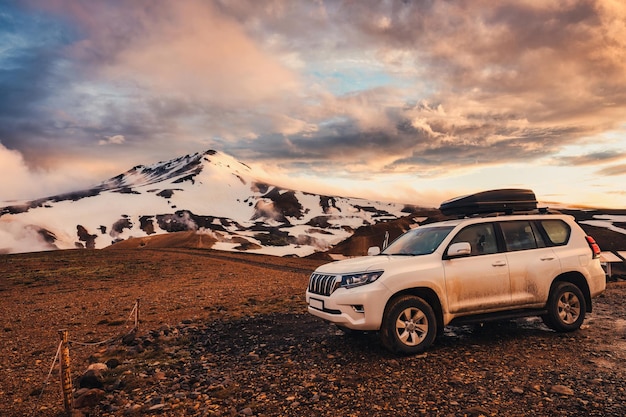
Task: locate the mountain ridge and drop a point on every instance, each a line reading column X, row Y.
column 223, row 201
column 208, row 192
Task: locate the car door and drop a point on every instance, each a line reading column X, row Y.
column 478, row 282
column 532, row 264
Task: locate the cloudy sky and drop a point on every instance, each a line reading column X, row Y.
column 414, row 101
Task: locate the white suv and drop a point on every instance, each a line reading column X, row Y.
column 469, row 269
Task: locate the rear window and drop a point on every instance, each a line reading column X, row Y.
column 557, row 231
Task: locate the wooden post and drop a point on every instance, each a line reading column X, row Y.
column 66, row 375
column 137, row 316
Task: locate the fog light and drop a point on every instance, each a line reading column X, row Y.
column 358, row 308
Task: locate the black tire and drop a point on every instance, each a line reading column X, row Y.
column 566, row 308
column 409, row 325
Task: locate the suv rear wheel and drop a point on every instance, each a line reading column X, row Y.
column 566, row 308
column 409, row 325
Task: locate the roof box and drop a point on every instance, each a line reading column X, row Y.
column 493, row 201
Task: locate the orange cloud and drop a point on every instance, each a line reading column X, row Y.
column 189, row 49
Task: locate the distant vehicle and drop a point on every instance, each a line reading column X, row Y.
column 502, row 259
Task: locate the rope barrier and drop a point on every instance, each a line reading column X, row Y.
column 133, row 313
column 46, row 382
column 64, row 347
column 103, row 342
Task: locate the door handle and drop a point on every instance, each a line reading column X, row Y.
column 549, row 258
column 499, row 263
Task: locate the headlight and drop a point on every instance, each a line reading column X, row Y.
column 354, row 280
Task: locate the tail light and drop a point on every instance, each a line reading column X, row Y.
column 594, row 246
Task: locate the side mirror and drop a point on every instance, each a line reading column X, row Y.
column 373, row 251
column 459, row 249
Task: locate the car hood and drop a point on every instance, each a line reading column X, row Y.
column 360, row 264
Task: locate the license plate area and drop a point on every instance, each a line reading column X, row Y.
column 316, row 304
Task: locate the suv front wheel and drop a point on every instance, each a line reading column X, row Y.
column 409, row 325
column 566, row 308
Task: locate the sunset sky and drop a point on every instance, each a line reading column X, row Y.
column 410, row 101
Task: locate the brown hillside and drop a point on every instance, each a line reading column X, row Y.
column 374, row 235
column 189, row 239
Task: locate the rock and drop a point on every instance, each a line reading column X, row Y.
column 113, row 363
column 98, row 367
column 476, row 412
column 116, row 385
column 89, row 398
column 136, row 349
column 156, row 400
column 517, row 390
column 133, row 409
column 157, row 407
column 129, row 339
column 561, row 390
column 91, row 379
column 147, row 341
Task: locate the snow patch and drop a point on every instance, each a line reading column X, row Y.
column 606, row 221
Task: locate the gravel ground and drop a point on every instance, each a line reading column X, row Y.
column 224, row 345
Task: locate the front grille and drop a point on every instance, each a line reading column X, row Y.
column 323, row 284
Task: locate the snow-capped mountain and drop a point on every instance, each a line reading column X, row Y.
column 209, row 195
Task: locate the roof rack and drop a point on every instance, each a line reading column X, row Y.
column 539, row 210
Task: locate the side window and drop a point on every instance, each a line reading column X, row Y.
column 558, row 231
column 539, row 235
column 518, row 235
column 481, row 238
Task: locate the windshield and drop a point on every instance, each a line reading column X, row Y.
column 419, row 241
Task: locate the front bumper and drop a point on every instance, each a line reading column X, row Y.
column 359, row 308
